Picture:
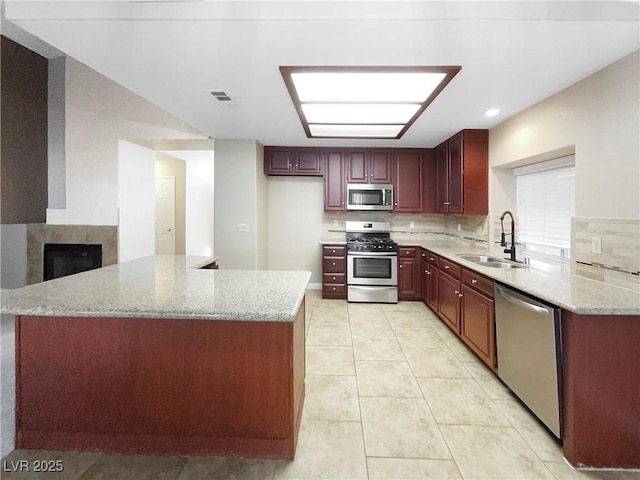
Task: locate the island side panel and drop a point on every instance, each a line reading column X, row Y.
column 162, row 386
column 299, row 371
column 601, row 390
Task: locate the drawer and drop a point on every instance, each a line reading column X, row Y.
column 432, row 258
column 407, row 252
column 334, row 265
column 329, row 290
column 450, row 268
column 334, row 250
column 477, row 281
column 339, row 278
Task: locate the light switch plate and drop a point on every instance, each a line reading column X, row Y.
column 596, row 245
column 412, row 224
column 243, row 227
column 335, row 223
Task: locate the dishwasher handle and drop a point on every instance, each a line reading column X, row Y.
column 521, row 303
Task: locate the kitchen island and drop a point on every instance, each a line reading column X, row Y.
column 161, row 356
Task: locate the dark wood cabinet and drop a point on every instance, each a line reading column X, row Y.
column 293, row 161
column 409, row 177
column 334, row 271
column 477, row 327
column 369, row 165
column 462, row 173
column 449, row 300
column 334, row 181
column 408, row 274
column 434, row 274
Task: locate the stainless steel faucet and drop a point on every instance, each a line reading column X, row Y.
column 511, row 251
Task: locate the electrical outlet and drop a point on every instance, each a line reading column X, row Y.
column 412, row 224
column 335, row 223
column 596, row 245
column 243, row 227
column 459, row 227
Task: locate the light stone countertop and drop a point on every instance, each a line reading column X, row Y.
column 571, row 292
column 165, row 286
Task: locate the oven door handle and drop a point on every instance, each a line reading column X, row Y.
column 373, row 254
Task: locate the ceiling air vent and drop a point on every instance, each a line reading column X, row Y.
column 220, row 95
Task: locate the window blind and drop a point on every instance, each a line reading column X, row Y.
column 546, row 203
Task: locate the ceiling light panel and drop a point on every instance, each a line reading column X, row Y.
column 359, row 113
column 363, row 102
column 355, row 131
column 365, row 87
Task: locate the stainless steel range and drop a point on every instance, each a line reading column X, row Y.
column 372, row 263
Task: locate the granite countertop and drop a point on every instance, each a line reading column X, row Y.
column 165, row 286
column 556, row 286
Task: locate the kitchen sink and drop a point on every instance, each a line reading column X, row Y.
column 493, row 262
column 480, row 258
column 502, row 264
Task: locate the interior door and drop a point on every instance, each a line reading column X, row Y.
column 165, row 215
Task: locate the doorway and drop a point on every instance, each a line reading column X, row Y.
column 165, row 225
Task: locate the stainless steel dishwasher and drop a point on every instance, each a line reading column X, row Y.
column 529, row 349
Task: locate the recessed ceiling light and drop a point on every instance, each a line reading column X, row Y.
column 492, row 112
column 363, row 102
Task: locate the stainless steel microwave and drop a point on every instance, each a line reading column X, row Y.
column 369, row 196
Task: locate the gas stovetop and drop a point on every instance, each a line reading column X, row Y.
column 369, row 237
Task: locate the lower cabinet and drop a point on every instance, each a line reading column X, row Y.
column 334, row 271
column 409, row 274
column 449, row 301
column 477, row 326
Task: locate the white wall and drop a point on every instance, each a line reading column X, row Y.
column 199, row 219
column 296, row 206
column 600, row 117
column 262, row 221
column 237, row 199
column 136, row 200
column 13, row 260
column 98, row 113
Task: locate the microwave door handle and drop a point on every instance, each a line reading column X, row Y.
column 384, row 196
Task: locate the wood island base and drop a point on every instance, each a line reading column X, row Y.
column 160, row 386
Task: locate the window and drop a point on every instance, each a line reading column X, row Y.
column 545, row 205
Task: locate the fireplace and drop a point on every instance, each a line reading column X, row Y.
column 62, row 259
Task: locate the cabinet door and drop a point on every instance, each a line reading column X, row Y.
column 278, row 161
column 408, row 280
column 449, row 301
column 425, row 273
column 456, row 174
column 478, row 325
column 334, row 184
column 308, row 161
column 357, row 166
column 381, row 166
column 442, row 178
column 408, row 192
column 433, row 298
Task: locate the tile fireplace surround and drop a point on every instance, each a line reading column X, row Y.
column 40, row 233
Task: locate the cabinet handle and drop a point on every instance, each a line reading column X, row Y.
column 333, row 251
column 446, row 267
column 456, row 292
column 334, row 289
column 334, row 278
column 459, row 295
column 427, row 272
column 431, row 259
column 333, row 263
column 474, row 281
column 424, row 254
column 400, row 266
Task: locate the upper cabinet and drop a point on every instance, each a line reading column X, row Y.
column 293, row 161
column 334, row 181
column 462, row 174
column 369, row 165
column 409, row 181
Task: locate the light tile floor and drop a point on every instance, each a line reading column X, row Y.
column 391, row 393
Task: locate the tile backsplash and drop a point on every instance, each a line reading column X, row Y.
column 619, row 262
